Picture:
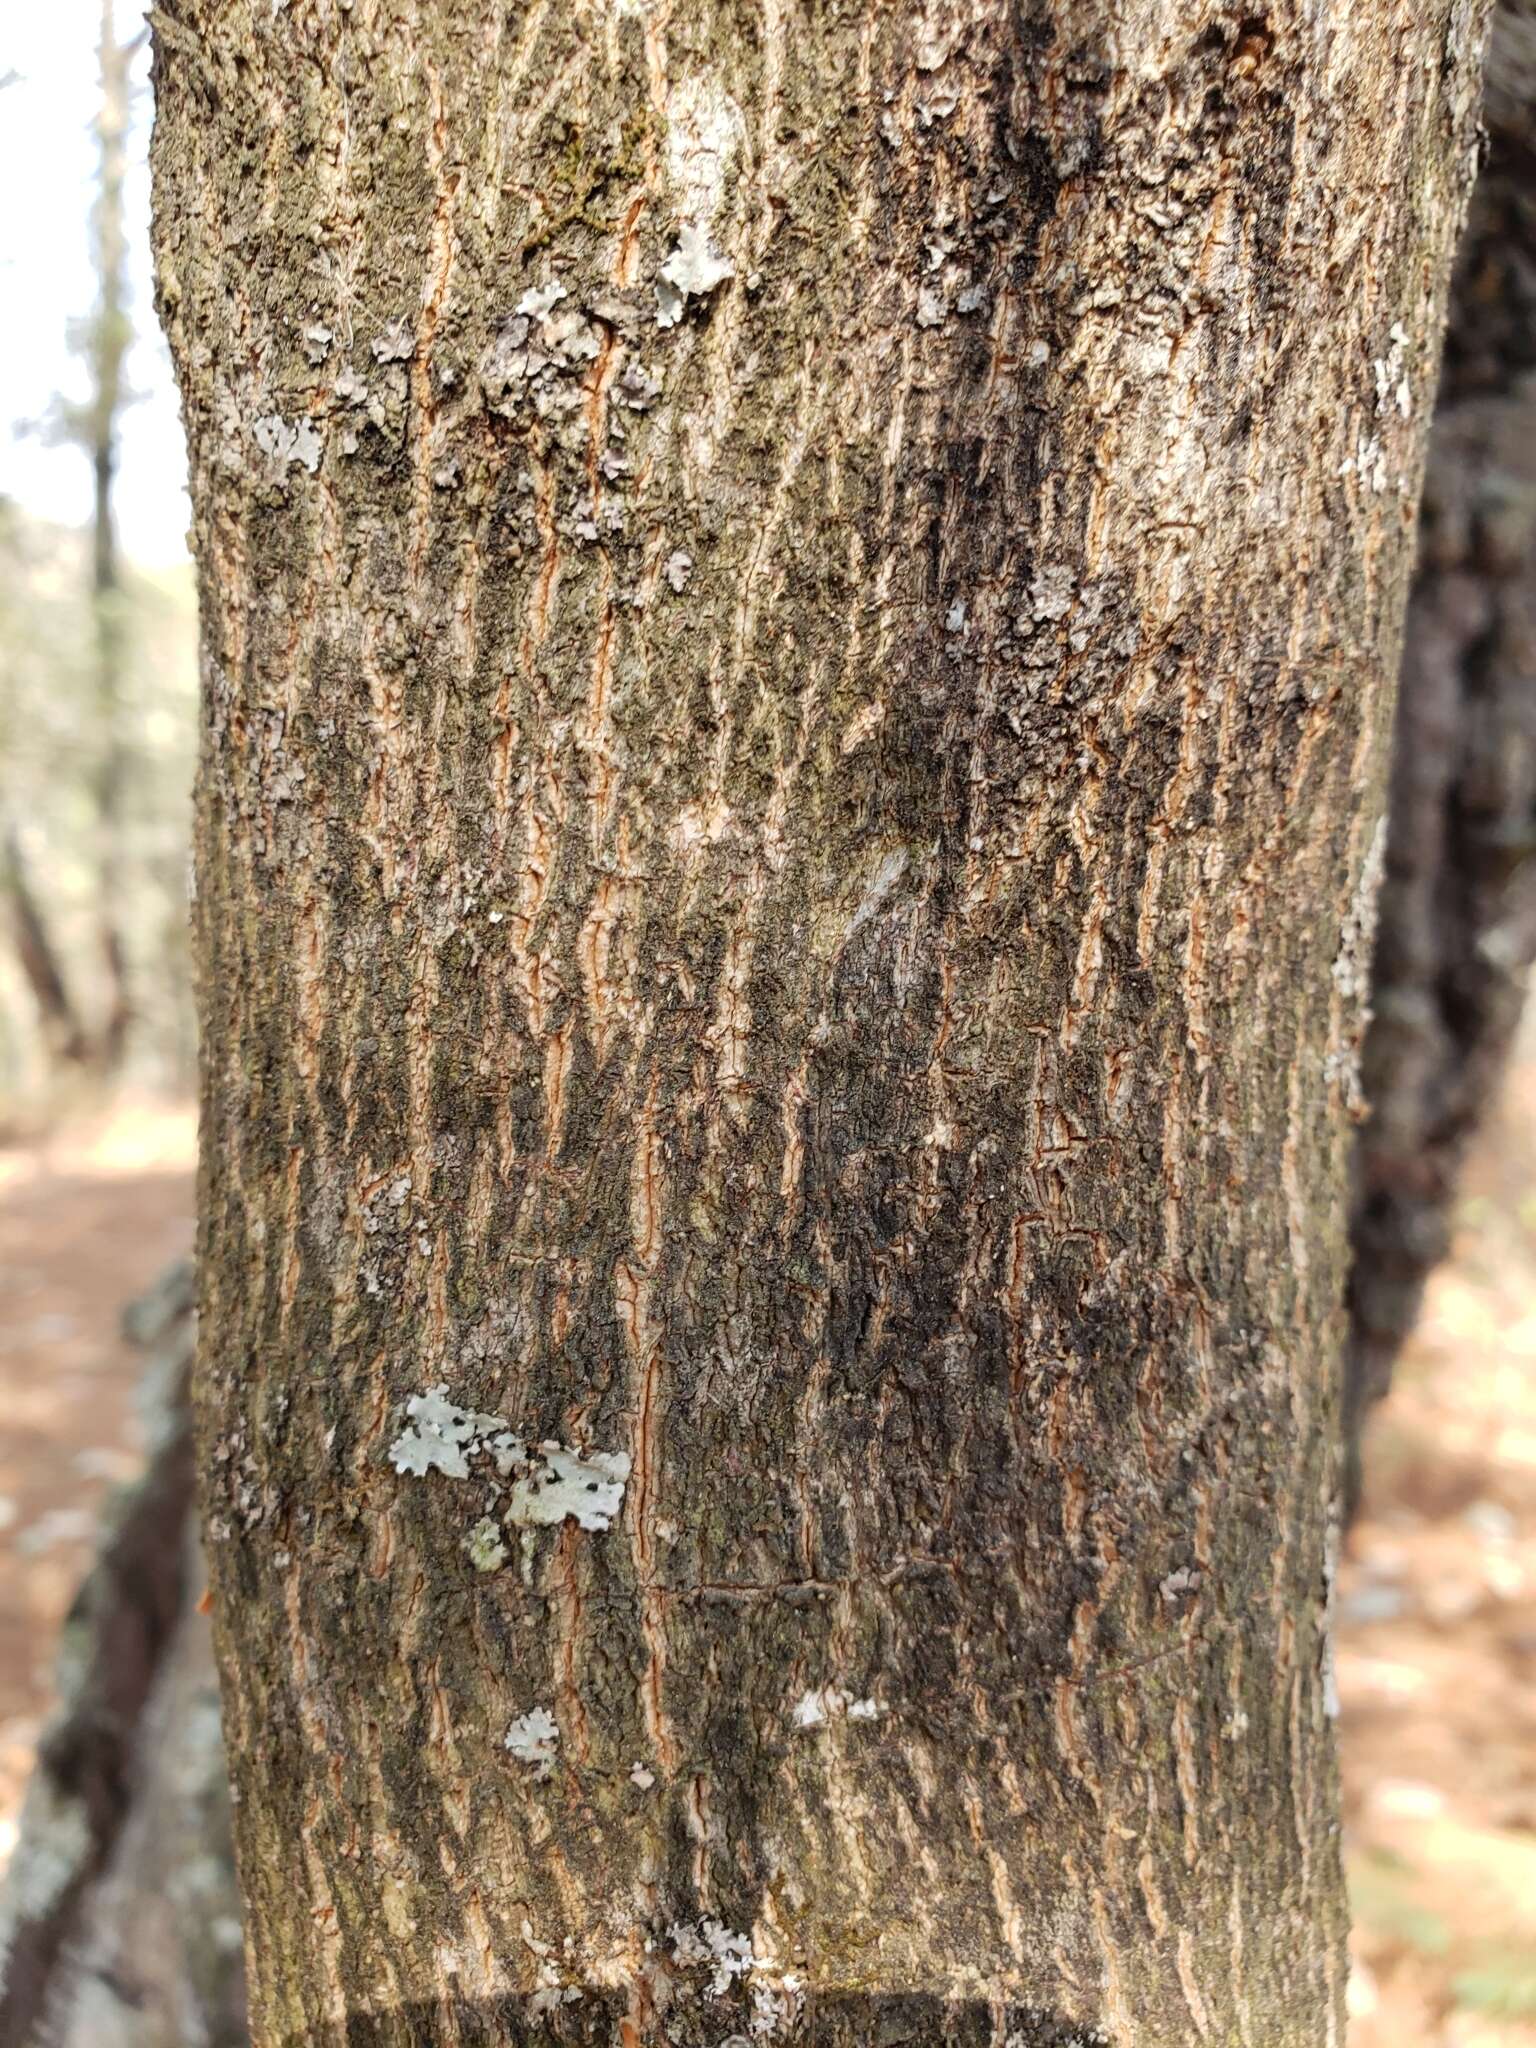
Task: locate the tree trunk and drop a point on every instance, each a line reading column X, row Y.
column 799, row 610
column 38, row 957
column 107, row 348
column 1457, row 929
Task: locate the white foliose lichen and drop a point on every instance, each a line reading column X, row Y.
column 487, row 1552
column 775, row 2006
column 540, row 355
column 826, row 1703
column 552, row 1992
column 443, row 1435
column 1052, row 590
column 564, row 1483
column 540, row 299
column 1390, row 373
column 775, row 1996
column 704, row 132
column 533, row 1739
column 637, row 387
column 932, row 306
column 287, row 442
column 1369, row 463
column 553, row 1483
column 711, row 1944
column 397, row 343
column 1357, row 941
column 692, row 271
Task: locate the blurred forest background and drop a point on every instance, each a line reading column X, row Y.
column 97, row 613
column 95, row 763
column 1437, row 1602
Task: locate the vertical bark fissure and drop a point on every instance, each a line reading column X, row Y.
column 799, row 609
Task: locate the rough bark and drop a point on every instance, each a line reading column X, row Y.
column 799, row 613
column 1457, row 929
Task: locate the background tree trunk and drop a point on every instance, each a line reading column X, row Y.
column 118, row 1917
column 1457, row 928
column 107, row 345
column 38, row 957
column 798, row 620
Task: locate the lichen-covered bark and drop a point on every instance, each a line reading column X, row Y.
column 1457, row 930
column 799, row 606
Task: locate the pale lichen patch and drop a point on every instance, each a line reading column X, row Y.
column 704, row 132
column 533, row 1739
column 1369, row 463
column 437, row 1441
column 1352, row 964
column 397, row 342
column 677, row 569
column 825, row 1703
column 444, row 1435
column 540, row 354
column 692, row 271
column 711, row 1944
column 1390, row 373
column 776, row 2006
column 540, row 299
column 890, row 871
column 564, row 1483
column 554, row 1483
column 487, row 1552
column 775, row 1996
column 637, row 387
column 287, row 442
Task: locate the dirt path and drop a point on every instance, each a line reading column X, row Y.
column 85, row 1224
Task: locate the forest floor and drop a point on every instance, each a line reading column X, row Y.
column 1437, row 1627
